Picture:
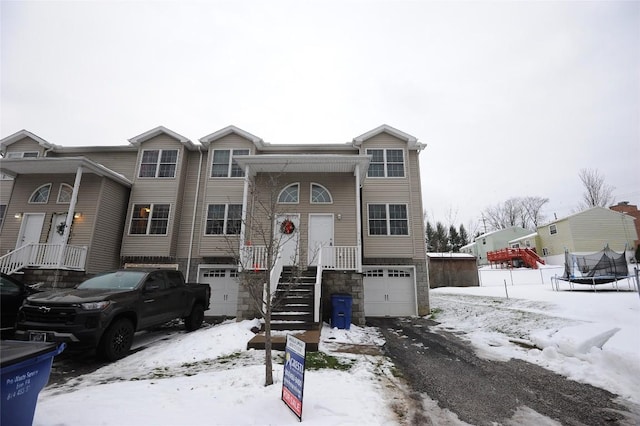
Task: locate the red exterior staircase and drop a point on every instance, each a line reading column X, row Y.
column 507, row 256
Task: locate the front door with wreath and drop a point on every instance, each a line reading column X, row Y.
column 287, row 236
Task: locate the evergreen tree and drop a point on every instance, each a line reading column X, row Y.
column 454, row 239
column 464, row 237
column 430, row 237
column 441, row 238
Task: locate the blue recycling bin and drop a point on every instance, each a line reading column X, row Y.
column 341, row 311
column 24, row 371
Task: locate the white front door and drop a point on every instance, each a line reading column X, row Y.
column 51, row 255
column 57, row 228
column 30, row 229
column 320, row 235
column 287, row 238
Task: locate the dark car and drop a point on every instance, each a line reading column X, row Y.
column 12, row 293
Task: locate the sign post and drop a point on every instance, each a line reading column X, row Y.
column 293, row 380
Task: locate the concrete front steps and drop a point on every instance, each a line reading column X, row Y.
column 293, row 311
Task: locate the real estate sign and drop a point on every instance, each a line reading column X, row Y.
column 293, row 380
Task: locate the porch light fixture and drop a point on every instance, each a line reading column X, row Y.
column 339, row 216
column 77, row 215
column 17, row 215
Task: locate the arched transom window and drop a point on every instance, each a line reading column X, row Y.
column 64, row 195
column 320, row 194
column 41, row 195
column 290, row 195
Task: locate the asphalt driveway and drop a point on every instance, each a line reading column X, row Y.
column 481, row 392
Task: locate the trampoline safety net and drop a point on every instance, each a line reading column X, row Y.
column 605, row 263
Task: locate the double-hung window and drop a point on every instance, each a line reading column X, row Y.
column 223, row 219
column 150, row 219
column 553, row 229
column 388, row 219
column 158, row 163
column 224, row 165
column 386, row 163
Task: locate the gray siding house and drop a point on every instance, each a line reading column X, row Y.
column 352, row 210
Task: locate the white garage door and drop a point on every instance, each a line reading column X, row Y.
column 389, row 292
column 224, row 290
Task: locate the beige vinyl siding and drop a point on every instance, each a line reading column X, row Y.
column 104, row 248
column 156, row 191
column 188, row 197
column 219, row 190
column 6, row 188
column 342, row 189
column 595, row 228
column 395, row 190
column 26, row 145
column 122, row 162
column 589, row 231
column 416, row 208
column 24, row 187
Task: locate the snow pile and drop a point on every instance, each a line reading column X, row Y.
column 591, row 337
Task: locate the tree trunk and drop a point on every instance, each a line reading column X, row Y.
column 268, row 376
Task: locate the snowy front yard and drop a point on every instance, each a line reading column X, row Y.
column 208, row 377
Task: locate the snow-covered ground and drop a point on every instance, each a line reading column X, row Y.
column 208, row 376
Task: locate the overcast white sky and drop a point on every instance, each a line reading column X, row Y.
column 512, row 98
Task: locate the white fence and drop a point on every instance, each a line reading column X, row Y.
column 520, row 276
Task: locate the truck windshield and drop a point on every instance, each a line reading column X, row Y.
column 114, row 280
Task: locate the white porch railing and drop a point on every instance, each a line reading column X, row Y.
column 317, row 290
column 343, row 258
column 44, row 256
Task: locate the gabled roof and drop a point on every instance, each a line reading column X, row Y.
column 604, row 209
column 207, row 140
column 412, row 141
column 4, row 143
column 137, row 140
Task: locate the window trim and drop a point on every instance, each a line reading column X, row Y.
column 48, row 185
column 159, row 163
column 553, row 229
column 385, row 163
column 311, row 194
column 388, row 220
column 296, row 184
column 150, row 218
column 64, row 185
column 225, row 219
column 23, row 154
column 232, row 155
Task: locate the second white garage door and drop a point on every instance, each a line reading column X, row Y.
column 389, row 292
column 224, row 290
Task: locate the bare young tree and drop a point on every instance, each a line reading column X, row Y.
column 525, row 212
column 259, row 253
column 532, row 207
column 596, row 191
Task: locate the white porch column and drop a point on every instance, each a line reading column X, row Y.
column 358, row 215
column 243, row 222
column 70, row 213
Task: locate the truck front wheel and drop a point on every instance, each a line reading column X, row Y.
column 195, row 318
column 117, row 340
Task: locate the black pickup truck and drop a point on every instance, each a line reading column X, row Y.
column 105, row 311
